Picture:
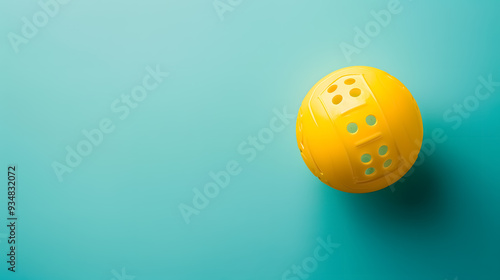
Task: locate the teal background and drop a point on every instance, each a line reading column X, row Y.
column 119, row 207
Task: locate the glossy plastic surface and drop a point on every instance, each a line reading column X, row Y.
column 359, row 129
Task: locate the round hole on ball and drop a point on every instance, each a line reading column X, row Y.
column 371, row 120
column 332, row 88
column 370, row 171
column 352, row 128
column 337, row 99
column 387, row 163
column 366, row 158
column 382, row 150
column 349, row 81
column 355, row 92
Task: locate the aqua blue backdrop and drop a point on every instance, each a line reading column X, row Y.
column 125, row 209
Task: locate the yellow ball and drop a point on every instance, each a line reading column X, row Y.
column 359, row 129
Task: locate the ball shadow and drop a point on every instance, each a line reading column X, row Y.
column 417, row 201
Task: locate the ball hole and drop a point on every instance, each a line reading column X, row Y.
column 352, row 128
column 366, row 158
column 370, row 171
column 349, row 81
column 337, row 99
column 371, row 120
column 383, row 150
column 332, row 88
column 355, row 92
column 387, row 163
